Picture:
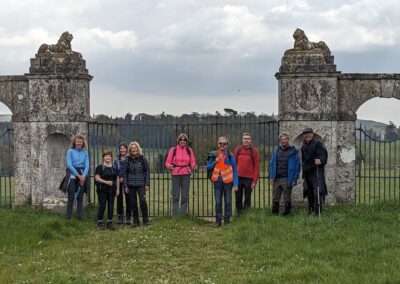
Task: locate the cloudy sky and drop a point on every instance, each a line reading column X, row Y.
column 183, row 56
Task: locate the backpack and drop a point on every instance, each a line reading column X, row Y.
column 97, row 184
column 251, row 154
column 214, row 154
column 187, row 150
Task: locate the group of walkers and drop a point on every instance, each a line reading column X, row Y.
column 128, row 177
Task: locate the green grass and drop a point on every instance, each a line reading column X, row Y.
column 347, row 245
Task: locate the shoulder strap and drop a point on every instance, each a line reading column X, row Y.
column 173, row 154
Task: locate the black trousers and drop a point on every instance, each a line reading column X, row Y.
column 312, row 192
column 244, row 187
column 134, row 193
column 106, row 199
column 120, row 202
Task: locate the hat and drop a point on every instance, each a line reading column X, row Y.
column 307, row 130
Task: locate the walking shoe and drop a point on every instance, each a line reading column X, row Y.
column 110, row 226
column 217, row 224
column 226, row 221
column 128, row 221
column 134, row 225
column 288, row 207
column 120, row 220
column 275, row 208
column 100, row 225
column 147, row 223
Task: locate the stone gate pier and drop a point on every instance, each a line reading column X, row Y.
column 312, row 93
column 50, row 105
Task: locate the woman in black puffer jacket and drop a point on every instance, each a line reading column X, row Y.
column 137, row 182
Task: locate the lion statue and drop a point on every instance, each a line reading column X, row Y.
column 63, row 45
column 301, row 42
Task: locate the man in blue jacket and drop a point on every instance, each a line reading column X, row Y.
column 284, row 171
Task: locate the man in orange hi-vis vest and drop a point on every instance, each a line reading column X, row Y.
column 225, row 178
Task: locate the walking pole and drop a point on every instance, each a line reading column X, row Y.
column 319, row 206
column 76, row 195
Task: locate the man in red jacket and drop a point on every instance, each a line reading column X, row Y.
column 248, row 170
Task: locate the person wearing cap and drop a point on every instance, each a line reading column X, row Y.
column 313, row 157
column 284, row 171
column 181, row 162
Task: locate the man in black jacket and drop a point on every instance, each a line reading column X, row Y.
column 313, row 157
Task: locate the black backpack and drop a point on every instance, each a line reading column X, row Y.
column 97, row 184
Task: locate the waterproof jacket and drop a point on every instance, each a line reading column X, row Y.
column 311, row 151
column 120, row 165
column 182, row 161
column 229, row 161
column 137, row 172
column 293, row 166
column 248, row 167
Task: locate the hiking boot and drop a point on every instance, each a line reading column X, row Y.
column 288, row 207
column 100, row 225
column 217, row 224
column 120, row 220
column 110, row 226
column 275, row 208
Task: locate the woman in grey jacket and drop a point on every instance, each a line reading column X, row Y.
column 137, row 182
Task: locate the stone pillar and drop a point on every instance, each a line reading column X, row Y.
column 57, row 108
column 308, row 97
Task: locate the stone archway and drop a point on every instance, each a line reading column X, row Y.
column 312, row 93
column 52, row 98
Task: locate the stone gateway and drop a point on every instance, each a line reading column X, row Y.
column 50, row 105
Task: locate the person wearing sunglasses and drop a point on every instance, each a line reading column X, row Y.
column 181, row 162
column 225, row 178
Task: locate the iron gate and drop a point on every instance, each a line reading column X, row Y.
column 377, row 168
column 6, row 168
column 156, row 136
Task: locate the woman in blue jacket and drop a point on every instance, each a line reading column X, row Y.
column 284, row 171
column 78, row 165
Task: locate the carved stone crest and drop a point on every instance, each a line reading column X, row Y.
column 308, row 94
column 56, row 97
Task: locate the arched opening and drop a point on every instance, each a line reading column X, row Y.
column 377, row 114
column 6, row 156
column 5, row 118
column 378, row 150
column 53, row 160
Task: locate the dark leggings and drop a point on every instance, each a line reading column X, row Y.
column 106, row 198
column 120, row 202
column 134, row 192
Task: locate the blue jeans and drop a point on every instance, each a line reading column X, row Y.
column 223, row 190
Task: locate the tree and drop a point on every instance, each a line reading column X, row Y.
column 391, row 131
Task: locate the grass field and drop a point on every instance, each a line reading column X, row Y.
column 347, row 245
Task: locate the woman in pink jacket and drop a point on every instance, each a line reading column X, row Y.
column 181, row 162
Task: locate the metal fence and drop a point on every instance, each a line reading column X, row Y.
column 156, row 137
column 6, row 168
column 377, row 168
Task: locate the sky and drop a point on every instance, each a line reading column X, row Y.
column 184, row 56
